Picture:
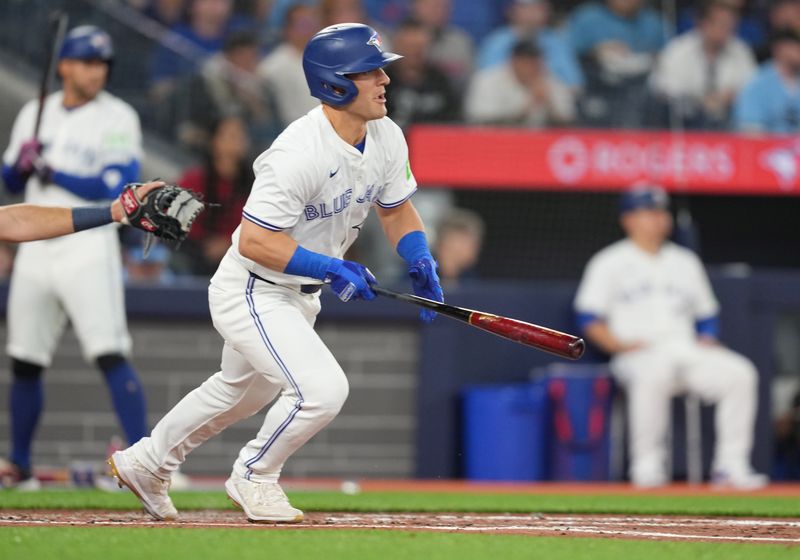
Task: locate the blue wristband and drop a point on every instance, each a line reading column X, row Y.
column 308, row 263
column 708, row 326
column 413, row 246
column 87, row 217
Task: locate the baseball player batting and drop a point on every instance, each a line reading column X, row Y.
column 88, row 149
column 313, row 189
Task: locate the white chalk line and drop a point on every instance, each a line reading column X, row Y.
column 543, row 525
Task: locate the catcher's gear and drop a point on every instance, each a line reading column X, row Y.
column 168, row 212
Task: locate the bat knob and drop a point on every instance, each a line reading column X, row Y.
column 576, row 349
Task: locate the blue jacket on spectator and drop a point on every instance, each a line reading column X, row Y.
column 167, row 63
column 594, row 23
column 557, row 51
column 766, row 105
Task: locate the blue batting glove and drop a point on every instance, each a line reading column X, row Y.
column 425, row 282
column 350, row 280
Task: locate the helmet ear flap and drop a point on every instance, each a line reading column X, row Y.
column 336, row 90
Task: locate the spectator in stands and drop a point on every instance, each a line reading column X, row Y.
column 648, row 303
column 352, row 11
column 152, row 269
column 224, row 177
column 188, row 44
column 700, row 72
column 750, row 28
column 165, row 12
column 227, row 84
column 259, row 16
column 459, row 238
column 770, row 102
column 521, row 92
column 782, row 14
column 282, row 69
column 451, row 48
column 623, row 35
column 617, row 41
column 418, row 90
column 528, row 19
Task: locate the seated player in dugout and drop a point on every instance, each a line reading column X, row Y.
column 649, row 304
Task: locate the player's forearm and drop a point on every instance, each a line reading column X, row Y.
column 26, row 222
column 399, row 221
column 270, row 249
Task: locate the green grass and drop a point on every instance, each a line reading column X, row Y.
column 141, row 543
column 734, row 505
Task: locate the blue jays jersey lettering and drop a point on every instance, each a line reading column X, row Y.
column 319, row 189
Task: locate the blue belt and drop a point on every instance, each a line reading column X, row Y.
column 304, row 288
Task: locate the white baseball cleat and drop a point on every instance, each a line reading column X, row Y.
column 742, row 479
column 262, row 502
column 149, row 488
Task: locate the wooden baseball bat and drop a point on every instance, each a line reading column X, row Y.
column 58, row 27
column 541, row 338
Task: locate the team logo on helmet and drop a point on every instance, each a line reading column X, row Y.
column 99, row 41
column 375, row 41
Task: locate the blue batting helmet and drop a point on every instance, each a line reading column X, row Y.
column 339, row 50
column 87, row 42
column 649, row 197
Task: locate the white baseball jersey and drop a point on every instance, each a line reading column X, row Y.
column 80, row 142
column 645, row 297
column 656, row 299
column 319, row 189
column 77, row 276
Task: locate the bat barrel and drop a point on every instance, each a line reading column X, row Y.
column 542, row 338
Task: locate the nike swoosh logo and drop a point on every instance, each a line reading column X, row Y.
column 332, row 173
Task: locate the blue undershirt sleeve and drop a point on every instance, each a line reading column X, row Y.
column 15, row 182
column 708, row 326
column 583, row 320
column 108, row 184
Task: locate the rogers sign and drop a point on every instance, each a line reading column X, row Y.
column 593, row 160
column 573, row 160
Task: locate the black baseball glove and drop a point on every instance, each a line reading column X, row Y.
column 168, row 212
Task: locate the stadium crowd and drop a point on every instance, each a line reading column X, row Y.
column 719, row 64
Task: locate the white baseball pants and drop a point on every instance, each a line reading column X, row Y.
column 77, row 278
column 270, row 350
column 653, row 375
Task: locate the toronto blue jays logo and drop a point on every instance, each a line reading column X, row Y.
column 99, row 41
column 375, row 41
